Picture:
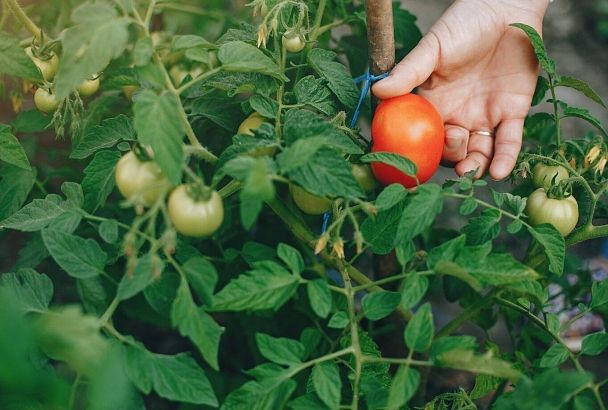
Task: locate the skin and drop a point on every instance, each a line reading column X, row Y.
column 480, row 74
column 561, row 213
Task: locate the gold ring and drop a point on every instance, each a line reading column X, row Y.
column 480, row 132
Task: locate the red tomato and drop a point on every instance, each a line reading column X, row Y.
column 410, row 126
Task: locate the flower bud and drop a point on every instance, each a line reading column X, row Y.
column 321, row 243
column 592, row 155
column 601, row 164
column 338, row 248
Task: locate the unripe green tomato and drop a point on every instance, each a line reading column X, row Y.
column 293, row 41
column 264, row 10
column 561, row 213
column 251, row 123
column 45, row 101
column 48, row 68
column 364, row 176
column 88, row 87
column 545, row 176
column 308, row 203
column 140, row 181
column 195, row 217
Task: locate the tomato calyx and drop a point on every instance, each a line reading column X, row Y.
column 142, row 153
column 199, row 192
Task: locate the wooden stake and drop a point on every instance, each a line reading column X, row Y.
column 380, row 35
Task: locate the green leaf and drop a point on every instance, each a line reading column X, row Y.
column 378, row 305
column 267, row 394
column 542, row 86
column 419, row 213
column 484, row 385
column 314, row 92
column 550, row 390
column 98, row 179
column 468, row 206
column 413, row 290
column 265, row 106
column 391, row 196
column 469, row 361
column 108, row 230
column 403, row 387
column 147, row 269
column 584, row 114
column 105, row 135
column 280, row 350
column 193, row 322
column 15, row 186
column 338, row 320
column 32, row 290
column 157, row 122
column 576, row 84
column 337, row 76
column 327, row 174
column 599, row 294
column 142, row 51
column 445, row 344
column 175, row 378
column 319, row 296
column 267, row 286
column 307, row 402
column 34, row 216
column 546, row 63
column 202, row 276
column 11, row 150
column 80, row 258
column 419, row 331
column 594, row 344
column 554, row 245
column 14, row 61
column 99, row 36
column 380, row 231
column 483, row 228
column 327, row 383
column 400, row 162
column 291, row 257
column 554, row 356
column 242, row 57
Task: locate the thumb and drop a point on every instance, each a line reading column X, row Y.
column 412, row 71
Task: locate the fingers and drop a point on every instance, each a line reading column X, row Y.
column 480, row 150
column 456, row 140
column 412, row 71
column 507, row 146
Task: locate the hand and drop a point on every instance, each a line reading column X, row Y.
column 480, row 74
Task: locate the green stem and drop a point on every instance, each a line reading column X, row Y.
column 301, row 231
column 74, row 391
column 405, row 361
column 391, row 279
column 555, row 110
column 149, row 13
column 105, row 318
column 465, row 316
column 200, row 78
column 25, row 20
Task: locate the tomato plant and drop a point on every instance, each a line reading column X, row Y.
column 204, row 229
column 411, row 127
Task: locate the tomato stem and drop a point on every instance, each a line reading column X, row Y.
column 25, row 20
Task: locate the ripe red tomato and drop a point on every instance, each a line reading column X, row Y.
column 410, row 126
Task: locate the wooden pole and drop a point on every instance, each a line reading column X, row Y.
column 380, row 35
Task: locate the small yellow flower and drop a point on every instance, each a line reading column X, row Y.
column 321, row 244
column 338, row 248
column 359, row 242
column 592, row 155
column 17, row 102
column 601, row 164
column 262, row 36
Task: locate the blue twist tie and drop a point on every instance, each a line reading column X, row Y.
column 367, row 79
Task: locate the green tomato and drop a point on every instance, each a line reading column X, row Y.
column 250, row 124
column 48, row 68
column 308, row 203
column 141, row 182
column 195, row 217
column 561, row 213
column 545, row 176
column 293, row 41
column 45, row 101
column 365, row 178
column 88, row 87
column 129, row 90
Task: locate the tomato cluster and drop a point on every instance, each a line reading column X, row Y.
column 194, row 211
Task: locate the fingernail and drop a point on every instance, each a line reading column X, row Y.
column 454, row 137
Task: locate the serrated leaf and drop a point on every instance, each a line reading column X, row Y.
column 576, row 84
column 327, row 383
column 403, row 387
column 202, row 276
column 554, row 356
column 280, row 350
column 378, row 305
column 319, row 296
column 193, row 322
column 291, row 257
column 157, row 122
column 98, row 179
column 87, row 262
column 584, row 114
column 34, row 216
column 267, row 286
column 420, row 212
column 413, row 290
column 468, row 206
column 594, row 344
column 239, row 56
column 265, row 106
column 380, row 231
column 546, row 63
column 337, row 76
column 338, row 320
column 147, row 268
column 104, row 135
column 175, row 378
column 108, row 230
column 397, row 161
column 483, row 228
column 32, row 290
column 554, row 245
column 99, row 36
column 481, row 364
column 391, row 196
column 14, row 61
column 419, row 331
column 11, row 150
column 15, row 186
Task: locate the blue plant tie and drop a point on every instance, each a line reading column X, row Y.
column 367, row 79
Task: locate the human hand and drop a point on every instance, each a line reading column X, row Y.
column 480, row 74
